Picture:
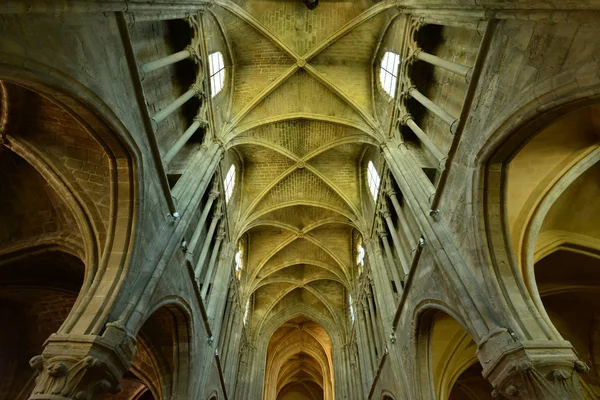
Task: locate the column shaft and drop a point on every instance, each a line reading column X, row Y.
column 209, row 235
column 403, row 222
column 178, row 145
column 392, row 264
column 434, row 108
column 366, row 344
column 375, row 339
column 399, row 250
column 211, row 266
column 370, row 338
column 424, row 138
column 168, row 60
column 378, row 334
column 198, row 231
column 459, row 69
column 181, row 100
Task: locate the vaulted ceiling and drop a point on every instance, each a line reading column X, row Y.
column 300, row 117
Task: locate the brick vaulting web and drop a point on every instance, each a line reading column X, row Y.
column 301, row 120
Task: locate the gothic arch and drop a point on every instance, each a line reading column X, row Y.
column 108, row 230
column 542, row 105
column 165, row 348
column 444, row 352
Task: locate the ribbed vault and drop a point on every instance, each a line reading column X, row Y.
column 301, row 118
column 299, row 361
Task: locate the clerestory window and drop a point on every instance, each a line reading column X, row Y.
column 360, row 258
column 373, row 179
column 217, row 72
column 238, row 263
column 388, row 75
column 229, row 183
column 246, row 311
column 351, row 308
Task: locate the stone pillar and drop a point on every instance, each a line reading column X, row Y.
column 199, row 121
column 403, row 220
column 364, row 344
column 528, row 370
column 391, row 262
column 207, row 240
column 383, row 290
column 195, row 90
column 198, row 231
column 407, row 120
column 188, row 52
column 211, row 263
column 374, row 321
column 369, row 336
column 372, row 331
column 434, row 108
column 404, row 263
column 221, row 284
column 462, row 70
column 82, row 367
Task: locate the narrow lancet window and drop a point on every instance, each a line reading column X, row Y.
column 373, row 179
column 229, row 183
column 217, row 72
column 388, row 74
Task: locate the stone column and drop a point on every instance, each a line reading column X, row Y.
column 391, row 262
column 207, row 240
column 188, row 52
column 372, row 331
column 198, row 231
column 407, row 120
column 221, row 284
column 404, row 263
column 195, row 90
column 78, row 367
column 374, row 321
column 383, row 289
column 199, row 121
column 403, row 221
column 462, row 70
column 211, row 263
column 366, row 355
column 369, row 336
column 434, row 108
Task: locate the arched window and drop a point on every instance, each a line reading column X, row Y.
column 246, row 311
column 373, row 179
column 217, row 72
column 229, row 183
column 351, row 308
column 389, row 72
column 360, row 258
column 238, row 263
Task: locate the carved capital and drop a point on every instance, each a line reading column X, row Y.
column 200, row 119
column 529, row 370
column 198, row 88
column 82, row 367
column 404, row 118
column 194, row 52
